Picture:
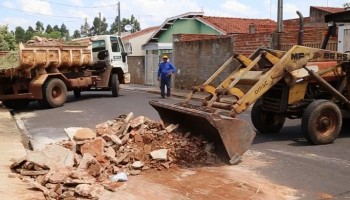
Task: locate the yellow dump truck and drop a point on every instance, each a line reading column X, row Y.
column 47, row 73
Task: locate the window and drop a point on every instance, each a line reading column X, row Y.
column 115, row 44
column 98, row 45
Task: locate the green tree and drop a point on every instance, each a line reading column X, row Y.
column 135, row 24
column 56, row 28
column 39, row 26
column 76, row 34
column 20, row 34
column 99, row 26
column 85, row 29
column 7, row 40
column 55, row 35
column 48, row 29
column 29, row 33
column 64, row 31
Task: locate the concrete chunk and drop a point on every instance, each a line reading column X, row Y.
column 160, row 154
column 84, row 134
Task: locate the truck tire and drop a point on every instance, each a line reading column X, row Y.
column 16, row 103
column 54, row 93
column 321, row 122
column 115, row 85
column 266, row 122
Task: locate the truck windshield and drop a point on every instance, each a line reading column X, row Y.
column 115, row 44
column 98, row 45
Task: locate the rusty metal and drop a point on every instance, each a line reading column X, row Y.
column 236, row 135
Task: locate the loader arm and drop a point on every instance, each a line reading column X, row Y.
column 296, row 58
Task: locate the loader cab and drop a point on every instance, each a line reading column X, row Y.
column 115, row 48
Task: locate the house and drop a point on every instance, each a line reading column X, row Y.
column 195, row 23
column 136, row 56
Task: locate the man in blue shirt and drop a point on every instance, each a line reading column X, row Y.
column 165, row 70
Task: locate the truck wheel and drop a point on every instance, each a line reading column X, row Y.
column 265, row 121
column 16, row 103
column 77, row 93
column 54, row 93
column 115, row 85
column 321, row 122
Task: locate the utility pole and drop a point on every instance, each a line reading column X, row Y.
column 99, row 24
column 119, row 19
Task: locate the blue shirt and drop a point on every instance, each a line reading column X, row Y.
column 165, row 68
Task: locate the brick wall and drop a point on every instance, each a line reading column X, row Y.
column 137, row 69
column 246, row 44
column 197, row 60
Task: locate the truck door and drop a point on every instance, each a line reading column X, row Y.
column 117, row 54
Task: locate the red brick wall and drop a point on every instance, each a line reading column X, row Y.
column 246, row 44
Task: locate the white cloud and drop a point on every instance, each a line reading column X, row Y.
column 8, row 4
column 77, row 2
column 14, row 22
column 235, row 6
column 36, row 6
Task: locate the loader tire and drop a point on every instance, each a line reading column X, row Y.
column 115, row 85
column 321, row 122
column 16, row 103
column 54, row 93
column 266, row 122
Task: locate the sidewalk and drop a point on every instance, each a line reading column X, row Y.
column 156, row 90
column 12, row 147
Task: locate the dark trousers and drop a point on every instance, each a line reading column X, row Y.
column 165, row 81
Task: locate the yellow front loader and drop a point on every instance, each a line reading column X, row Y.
column 304, row 82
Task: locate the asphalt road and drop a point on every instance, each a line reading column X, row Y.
column 316, row 171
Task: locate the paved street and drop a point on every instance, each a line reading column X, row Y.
column 286, row 158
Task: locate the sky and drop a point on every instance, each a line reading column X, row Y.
column 148, row 12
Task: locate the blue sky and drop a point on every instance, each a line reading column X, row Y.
column 148, row 12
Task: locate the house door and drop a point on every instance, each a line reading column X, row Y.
column 152, row 61
column 344, row 38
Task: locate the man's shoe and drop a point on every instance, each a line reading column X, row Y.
column 163, row 97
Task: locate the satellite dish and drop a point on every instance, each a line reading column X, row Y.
column 128, row 27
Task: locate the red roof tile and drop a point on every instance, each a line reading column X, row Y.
column 142, row 32
column 329, row 9
column 239, row 25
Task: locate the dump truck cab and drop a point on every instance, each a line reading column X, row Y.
column 116, row 54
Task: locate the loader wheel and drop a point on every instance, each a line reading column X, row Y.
column 54, row 93
column 16, row 103
column 321, row 122
column 115, row 85
column 266, row 122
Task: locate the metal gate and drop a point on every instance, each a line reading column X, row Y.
column 152, row 62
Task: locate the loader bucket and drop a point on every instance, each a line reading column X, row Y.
column 236, row 135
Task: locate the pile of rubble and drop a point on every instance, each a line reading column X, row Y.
column 42, row 41
column 92, row 161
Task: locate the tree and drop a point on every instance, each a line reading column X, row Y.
column 48, row 29
column 55, row 34
column 7, row 40
column 39, row 26
column 346, row 5
column 85, row 29
column 20, row 34
column 29, row 33
column 125, row 21
column 76, row 34
column 64, row 31
column 56, row 28
column 99, row 26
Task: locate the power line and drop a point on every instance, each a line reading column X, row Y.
column 57, row 16
column 70, row 5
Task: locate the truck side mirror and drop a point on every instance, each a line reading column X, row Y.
column 124, row 54
column 102, row 54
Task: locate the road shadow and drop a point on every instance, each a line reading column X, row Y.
column 294, row 134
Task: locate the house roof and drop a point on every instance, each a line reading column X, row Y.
column 141, row 32
column 329, row 9
column 229, row 25
column 169, row 22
